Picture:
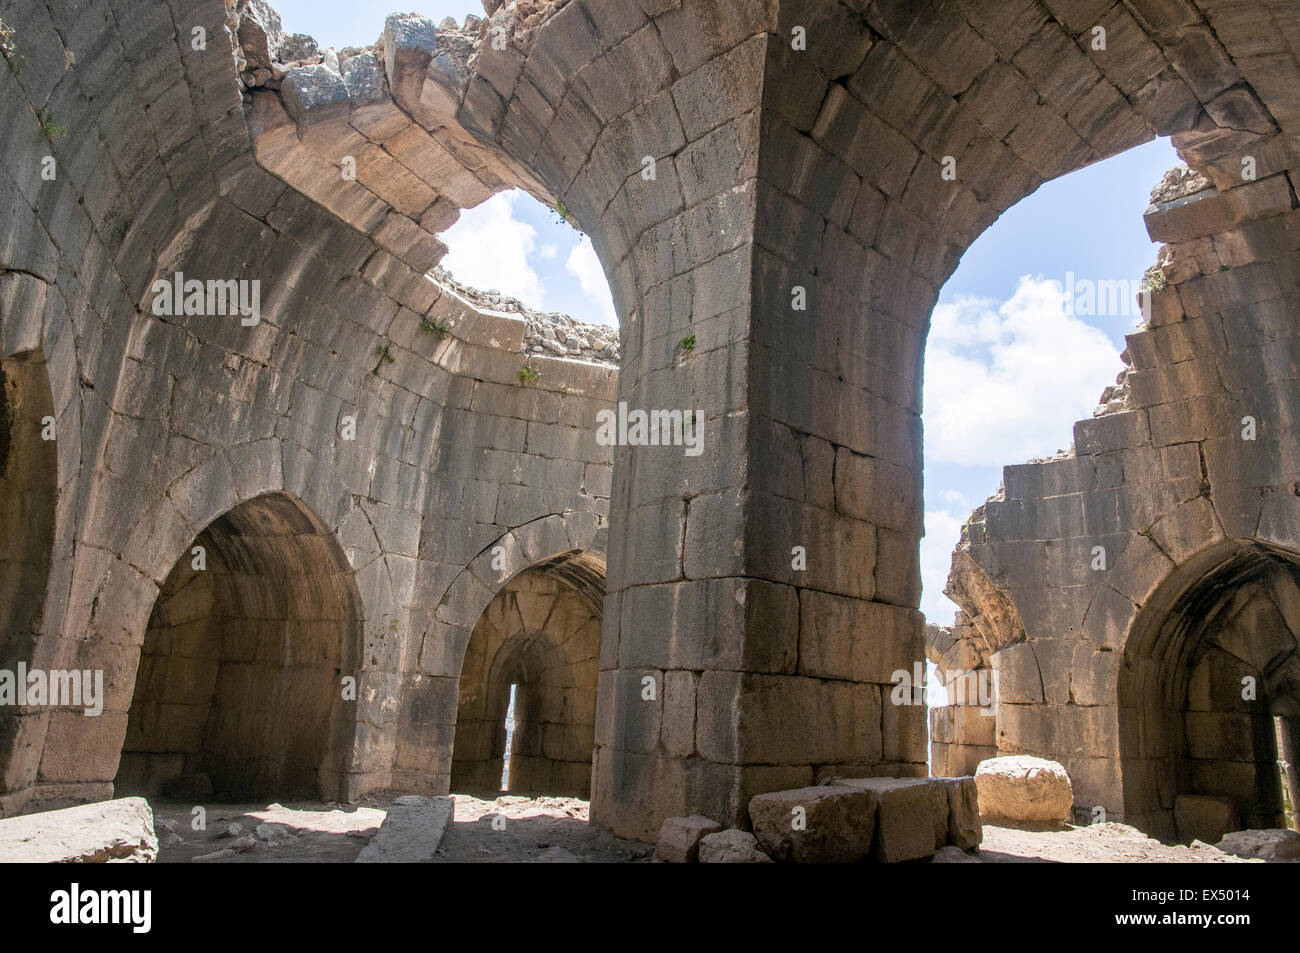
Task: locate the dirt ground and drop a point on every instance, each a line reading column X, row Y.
column 302, row 832
column 515, row 829
column 1097, row 843
column 509, row 829
column 540, row 830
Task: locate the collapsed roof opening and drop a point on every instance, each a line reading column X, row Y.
column 523, row 255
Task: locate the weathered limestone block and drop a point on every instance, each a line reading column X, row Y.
column 1203, row 818
column 995, row 618
column 1022, row 788
column 912, row 820
column 679, row 838
column 960, row 760
column 259, row 34
column 22, row 304
column 365, row 79
column 825, row 824
column 295, row 47
column 315, row 94
column 410, row 41
column 1019, row 678
column 1274, row 844
column 1213, row 735
column 731, row 847
column 852, row 639
column 973, row 724
column 964, row 828
column 120, row 831
column 411, row 831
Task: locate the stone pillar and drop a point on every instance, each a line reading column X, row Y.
column 763, row 593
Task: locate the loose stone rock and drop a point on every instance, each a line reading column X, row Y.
column 1273, row 844
column 118, row 831
column 679, row 838
column 912, row 820
column 731, row 847
column 822, row 824
column 411, row 831
column 1021, row 788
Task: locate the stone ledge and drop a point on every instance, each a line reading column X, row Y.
column 118, row 831
column 411, row 831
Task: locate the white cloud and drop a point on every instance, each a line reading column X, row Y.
column 956, row 500
column 584, row 265
column 1006, row 383
column 942, row 531
column 489, row 249
column 547, row 252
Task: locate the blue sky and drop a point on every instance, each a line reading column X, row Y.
column 1008, row 370
column 512, row 243
column 340, row 23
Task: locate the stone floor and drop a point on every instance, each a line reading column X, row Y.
column 302, row 832
column 1097, row 843
column 555, row 829
column 509, row 829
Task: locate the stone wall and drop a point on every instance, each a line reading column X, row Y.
column 169, row 425
column 541, row 634
column 1153, row 568
column 242, row 661
column 27, row 499
column 793, row 222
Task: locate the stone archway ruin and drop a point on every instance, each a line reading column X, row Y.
column 1177, row 488
column 243, row 667
column 782, row 175
column 540, row 636
column 1211, row 666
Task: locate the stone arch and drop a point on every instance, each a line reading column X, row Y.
column 1211, row 672
column 242, row 661
column 429, row 698
column 821, row 167
column 836, row 189
column 541, row 635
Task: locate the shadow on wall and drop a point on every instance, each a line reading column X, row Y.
column 28, row 492
column 28, row 468
column 1209, row 692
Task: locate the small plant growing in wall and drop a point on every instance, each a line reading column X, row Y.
column 385, row 356
column 434, row 326
column 1154, row 281
column 529, row 375
column 687, row 343
column 9, row 49
column 564, row 215
column 49, row 128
